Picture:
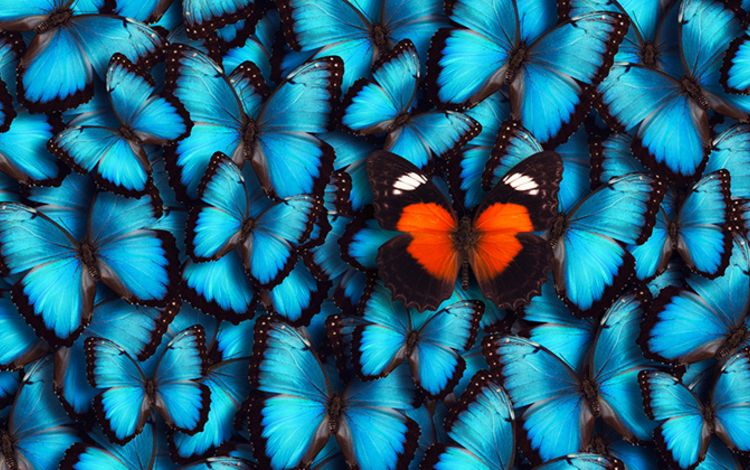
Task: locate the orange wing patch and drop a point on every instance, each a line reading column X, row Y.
column 497, row 245
column 431, row 227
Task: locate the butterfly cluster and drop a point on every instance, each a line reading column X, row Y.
column 376, row 234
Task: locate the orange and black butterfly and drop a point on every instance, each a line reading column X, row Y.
column 499, row 244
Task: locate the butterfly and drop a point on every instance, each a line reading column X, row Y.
column 686, row 423
column 480, row 427
column 516, row 44
column 64, row 257
column 360, row 33
column 297, row 393
column 421, row 265
column 72, row 43
column 116, row 157
column 706, row 319
column 384, row 105
column 37, row 431
column 239, row 117
column 652, row 104
column 137, row 454
column 431, row 341
column 559, row 404
column 170, row 385
column 235, row 214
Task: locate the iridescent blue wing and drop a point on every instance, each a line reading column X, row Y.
column 513, row 145
column 651, row 104
column 46, row 257
column 23, row 150
column 575, row 182
column 469, row 62
column 731, row 401
column 550, row 91
column 29, row 14
column 362, row 240
column 9, row 381
column 683, row 433
column 556, row 418
column 653, row 255
column 215, row 226
column 374, row 412
column 215, row 110
column 379, row 342
column 154, row 119
column 634, row 456
column 138, row 454
column 436, row 360
column 40, row 429
column 372, row 106
column 481, row 428
column 731, row 151
column 351, row 157
column 203, row 17
column 432, row 134
column 122, row 405
column 147, row 11
column 227, row 381
column 553, row 326
column 299, row 296
column 74, row 53
column 136, row 261
column 687, row 325
column 590, row 264
column 613, row 157
column 299, row 107
column 180, row 397
column 413, row 20
column 21, row 345
column 258, row 48
column 220, row 287
column 286, row 368
column 617, row 360
column 718, row 457
column 704, row 240
column 582, row 462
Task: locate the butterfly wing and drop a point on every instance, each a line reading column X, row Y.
column 436, row 361
column 481, row 428
column 372, row 106
column 730, row 399
column 582, row 461
column 683, row 433
column 46, row 257
column 23, row 150
column 554, row 63
column 652, row 256
column 214, row 228
column 513, row 145
column 122, row 406
column 287, row 369
column 612, row 157
column 508, row 260
column 379, row 343
column 203, row 17
column 182, row 400
column 704, row 240
column 137, row 454
column 651, row 105
column 556, row 419
column 731, row 151
column 622, row 211
column 21, row 344
column 421, row 264
column 39, row 426
column 299, row 296
column 299, row 107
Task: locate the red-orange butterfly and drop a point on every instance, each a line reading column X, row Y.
column 499, row 244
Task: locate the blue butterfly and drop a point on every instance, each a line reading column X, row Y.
column 560, row 405
column 239, row 117
column 38, row 431
column 652, row 104
column 706, row 319
column 431, row 342
column 384, row 105
column 359, row 32
column 72, row 44
column 516, row 44
column 480, row 428
column 235, row 214
column 116, row 157
column 138, row 454
column 171, row 385
column 687, row 423
column 298, row 395
column 61, row 255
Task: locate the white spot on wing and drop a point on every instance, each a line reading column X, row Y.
column 409, row 182
column 523, row 183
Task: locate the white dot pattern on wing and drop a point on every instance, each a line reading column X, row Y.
column 523, row 183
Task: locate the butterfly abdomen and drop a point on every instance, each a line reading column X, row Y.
column 335, row 408
column 8, row 450
column 57, row 18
